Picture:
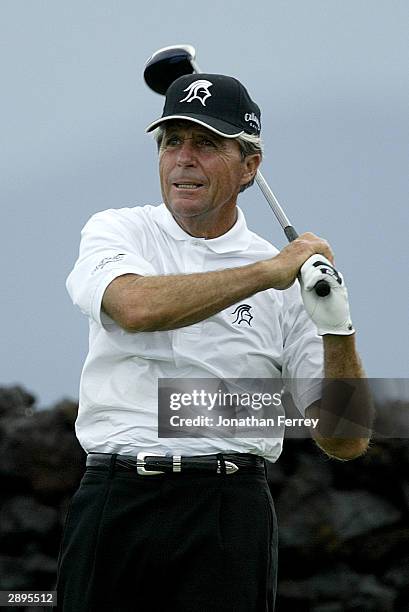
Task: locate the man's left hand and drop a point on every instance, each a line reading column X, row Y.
column 330, row 313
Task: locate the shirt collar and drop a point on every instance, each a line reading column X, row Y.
column 236, row 239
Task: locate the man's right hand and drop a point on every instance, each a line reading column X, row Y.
column 286, row 265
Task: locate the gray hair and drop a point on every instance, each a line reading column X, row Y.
column 249, row 145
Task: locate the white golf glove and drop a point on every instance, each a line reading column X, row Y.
column 331, row 312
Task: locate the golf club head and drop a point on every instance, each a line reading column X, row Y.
column 168, row 64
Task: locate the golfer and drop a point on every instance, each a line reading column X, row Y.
column 185, row 290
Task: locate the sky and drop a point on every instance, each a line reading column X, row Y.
column 331, row 79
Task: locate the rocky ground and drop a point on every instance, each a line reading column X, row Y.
column 344, row 527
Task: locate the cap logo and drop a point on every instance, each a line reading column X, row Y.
column 198, row 90
column 252, row 118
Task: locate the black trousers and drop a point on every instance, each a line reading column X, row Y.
column 174, row 542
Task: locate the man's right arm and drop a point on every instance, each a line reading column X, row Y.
column 159, row 303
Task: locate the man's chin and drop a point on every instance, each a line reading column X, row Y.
column 186, row 208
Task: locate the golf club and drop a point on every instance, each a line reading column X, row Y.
column 168, row 64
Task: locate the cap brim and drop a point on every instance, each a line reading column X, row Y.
column 215, row 125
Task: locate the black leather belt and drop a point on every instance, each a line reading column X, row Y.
column 148, row 464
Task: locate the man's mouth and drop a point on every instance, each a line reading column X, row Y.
column 188, row 185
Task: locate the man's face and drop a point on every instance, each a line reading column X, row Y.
column 200, row 172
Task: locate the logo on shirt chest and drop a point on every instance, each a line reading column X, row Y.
column 243, row 314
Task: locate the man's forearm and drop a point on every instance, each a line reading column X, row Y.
column 346, row 411
column 159, row 303
column 341, row 359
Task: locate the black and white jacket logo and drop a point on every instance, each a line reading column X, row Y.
column 198, row 90
column 243, row 313
column 107, row 260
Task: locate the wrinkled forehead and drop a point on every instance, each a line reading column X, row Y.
column 184, row 125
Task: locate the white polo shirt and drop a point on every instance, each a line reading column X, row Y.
column 118, row 403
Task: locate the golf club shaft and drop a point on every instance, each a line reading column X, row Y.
column 276, row 208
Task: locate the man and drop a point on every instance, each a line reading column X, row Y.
column 185, row 290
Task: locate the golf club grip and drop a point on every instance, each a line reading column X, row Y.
column 291, row 233
column 322, row 288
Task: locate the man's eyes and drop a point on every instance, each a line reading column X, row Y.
column 202, row 142
column 206, row 145
column 173, row 141
column 206, row 142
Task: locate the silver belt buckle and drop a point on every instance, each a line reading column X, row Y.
column 230, row 467
column 140, row 464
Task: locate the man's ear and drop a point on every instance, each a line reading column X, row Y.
column 251, row 164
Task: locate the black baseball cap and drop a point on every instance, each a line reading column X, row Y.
column 218, row 102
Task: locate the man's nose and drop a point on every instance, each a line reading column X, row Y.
column 186, row 153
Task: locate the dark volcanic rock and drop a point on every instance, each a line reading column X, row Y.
column 23, row 519
column 303, row 507
column 398, row 575
column 339, row 589
column 41, row 450
column 13, row 575
column 41, row 464
column 356, row 513
column 15, row 401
